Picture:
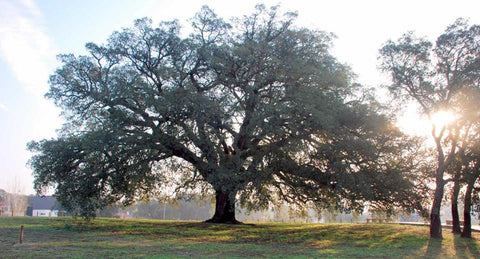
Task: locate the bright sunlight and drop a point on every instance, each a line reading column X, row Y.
column 415, row 124
column 443, row 118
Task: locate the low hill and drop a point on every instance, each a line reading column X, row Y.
column 115, row 238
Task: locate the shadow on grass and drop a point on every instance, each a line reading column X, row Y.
column 434, row 247
column 135, row 238
column 465, row 247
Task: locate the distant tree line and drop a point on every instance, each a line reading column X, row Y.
column 13, row 204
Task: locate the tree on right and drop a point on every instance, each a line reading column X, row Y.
column 441, row 77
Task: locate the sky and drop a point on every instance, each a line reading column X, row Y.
column 32, row 33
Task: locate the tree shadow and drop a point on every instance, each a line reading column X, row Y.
column 465, row 247
column 434, row 248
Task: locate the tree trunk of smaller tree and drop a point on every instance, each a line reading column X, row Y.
column 435, row 223
column 455, row 217
column 467, row 222
column 224, row 208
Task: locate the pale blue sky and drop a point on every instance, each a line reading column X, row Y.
column 33, row 32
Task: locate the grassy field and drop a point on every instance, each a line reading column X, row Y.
column 113, row 238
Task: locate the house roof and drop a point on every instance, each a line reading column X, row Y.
column 45, row 203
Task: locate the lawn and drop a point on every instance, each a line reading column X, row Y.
column 114, row 238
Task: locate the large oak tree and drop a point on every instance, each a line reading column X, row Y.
column 257, row 108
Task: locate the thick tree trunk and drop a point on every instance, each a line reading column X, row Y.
column 224, row 208
column 435, row 222
column 467, row 222
column 455, row 217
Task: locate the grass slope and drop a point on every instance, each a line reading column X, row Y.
column 114, row 238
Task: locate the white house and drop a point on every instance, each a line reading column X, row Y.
column 46, row 206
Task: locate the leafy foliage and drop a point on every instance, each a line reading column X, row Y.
column 256, row 108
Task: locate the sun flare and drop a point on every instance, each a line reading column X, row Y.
column 411, row 122
column 442, row 119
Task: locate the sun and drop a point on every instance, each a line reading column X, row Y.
column 442, row 118
column 413, row 123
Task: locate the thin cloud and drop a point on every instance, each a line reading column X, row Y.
column 25, row 45
column 3, row 107
column 32, row 7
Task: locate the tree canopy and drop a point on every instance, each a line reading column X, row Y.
column 440, row 76
column 256, row 110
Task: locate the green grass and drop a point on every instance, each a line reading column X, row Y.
column 113, row 238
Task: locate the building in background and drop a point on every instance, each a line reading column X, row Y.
column 46, row 206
